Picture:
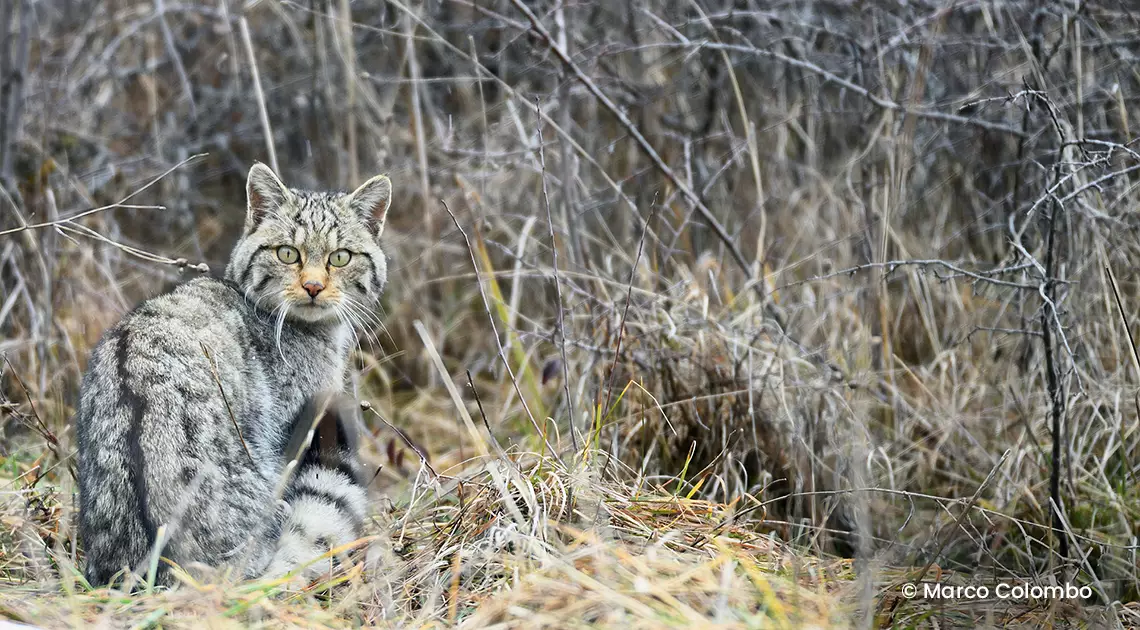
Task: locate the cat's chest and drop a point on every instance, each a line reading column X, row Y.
column 301, row 360
column 298, row 365
column 310, row 370
column 301, row 370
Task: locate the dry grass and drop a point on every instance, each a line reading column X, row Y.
column 457, row 552
column 739, row 287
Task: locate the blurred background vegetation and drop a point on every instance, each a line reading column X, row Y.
column 862, row 271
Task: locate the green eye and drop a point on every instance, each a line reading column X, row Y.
column 340, row 258
column 288, row 254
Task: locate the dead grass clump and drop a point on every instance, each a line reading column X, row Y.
column 716, row 399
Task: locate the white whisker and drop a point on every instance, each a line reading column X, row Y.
column 284, row 308
column 353, row 321
column 363, row 311
column 363, row 319
column 346, row 321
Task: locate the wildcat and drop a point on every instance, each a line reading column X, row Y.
column 188, row 402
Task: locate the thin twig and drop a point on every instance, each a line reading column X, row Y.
column 495, row 334
column 15, row 82
column 1124, row 320
column 625, row 313
column 557, row 283
column 892, row 265
column 122, row 203
column 1056, row 399
column 176, row 59
column 418, row 116
column 483, row 415
column 262, row 112
column 853, row 87
column 1132, row 352
column 226, row 401
column 42, row 428
column 367, row 406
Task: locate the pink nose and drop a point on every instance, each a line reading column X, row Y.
column 313, row 287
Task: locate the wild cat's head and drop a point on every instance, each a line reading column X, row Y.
column 312, row 256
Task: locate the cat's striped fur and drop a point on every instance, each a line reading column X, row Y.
column 187, row 404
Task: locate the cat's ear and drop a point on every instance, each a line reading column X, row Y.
column 265, row 194
column 370, row 202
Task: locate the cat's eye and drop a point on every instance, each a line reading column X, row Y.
column 288, row 254
column 340, row 258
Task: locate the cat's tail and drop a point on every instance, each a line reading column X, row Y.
column 325, row 501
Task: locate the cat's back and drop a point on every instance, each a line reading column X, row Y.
column 190, row 308
column 153, row 426
column 176, row 340
column 196, row 302
column 157, row 335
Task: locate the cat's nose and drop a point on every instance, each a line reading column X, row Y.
column 313, row 287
